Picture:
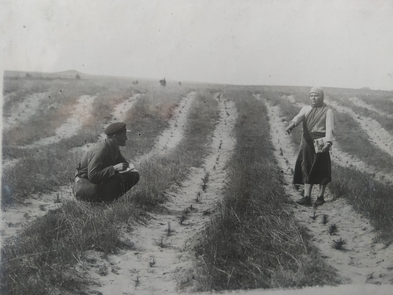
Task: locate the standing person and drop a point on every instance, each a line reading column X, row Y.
column 313, row 164
column 103, row 175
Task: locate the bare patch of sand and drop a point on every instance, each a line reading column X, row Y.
column 378, row 135
column 150, row 269
column 326, row 290
column 359, row 102
column 174, row 133
column 362, row 260
column 161, row 263
column 120, row 111
column 23, row 111
column 80, row 115
column 347, row 160
column 18, row 215
column 15, row 217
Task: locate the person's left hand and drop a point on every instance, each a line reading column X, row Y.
column 326, row 147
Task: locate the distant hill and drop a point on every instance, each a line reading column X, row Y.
column 68, row 73
column 28, row 74
column 64, row 74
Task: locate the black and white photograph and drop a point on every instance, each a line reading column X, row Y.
column 196, row 147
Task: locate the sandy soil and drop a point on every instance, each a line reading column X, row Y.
column 80, row 115
column 347, row 160
column 362, row 260
column 326, row 290
column 17, row 216
column 21, row 113
column 378, row 135
column 120, row 111
column 359, row 102
column 119, row 114
column 24, row 110
column 160, row 263
column 172, row 135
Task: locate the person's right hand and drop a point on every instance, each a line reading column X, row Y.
column 289, row 129
column 121, row 166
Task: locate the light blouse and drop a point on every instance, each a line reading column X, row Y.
column 324, row 124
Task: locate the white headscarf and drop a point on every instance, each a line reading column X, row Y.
column 319, row 90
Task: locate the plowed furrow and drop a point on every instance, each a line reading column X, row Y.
column 160, row 263
column 171, row 136
column 24, row 110
column 350, row 161
column 378, row 135
column 79, row 116
column 361, row 259
column 359, row 102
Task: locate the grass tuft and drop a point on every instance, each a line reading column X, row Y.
column 333, row 229
column 249, row 243
column 339, row 244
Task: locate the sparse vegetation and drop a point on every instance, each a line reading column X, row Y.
column 339, row 244
column 205, row 180
column 168, row 231
column 38, row 260
column 198, row 196
column 85, row 226
column 367, row 195
column 333, row 229
column 161, row 243
column 314, row 216
column 250, row 241
column 250, row 215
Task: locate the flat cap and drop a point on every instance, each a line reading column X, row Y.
column 115, row 128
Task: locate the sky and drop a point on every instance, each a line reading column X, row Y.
column 332, row 43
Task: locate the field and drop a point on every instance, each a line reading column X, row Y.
column 215, row 207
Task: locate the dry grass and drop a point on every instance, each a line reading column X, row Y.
column 354, row 141
column 161, row 172
column 368, row 196
column 53, row 165
column 61, row 97
column 43, row 257
column 253, row 241
column 381, row 100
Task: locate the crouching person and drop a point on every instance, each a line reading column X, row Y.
column 103, row 175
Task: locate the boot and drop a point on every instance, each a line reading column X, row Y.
column 306, row 201
column 319, row 201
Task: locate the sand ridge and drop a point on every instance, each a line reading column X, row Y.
column 24, row 110
column 363, row 260
column 161, row 263
column 347, row 160
column 80, row 114
column 378, row 135
column 152, row 269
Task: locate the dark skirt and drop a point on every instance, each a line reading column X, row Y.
column 311, row 167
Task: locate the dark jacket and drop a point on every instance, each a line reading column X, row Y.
column 97, row 163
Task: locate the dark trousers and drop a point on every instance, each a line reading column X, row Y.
column 108, row 191
column 117, row 186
